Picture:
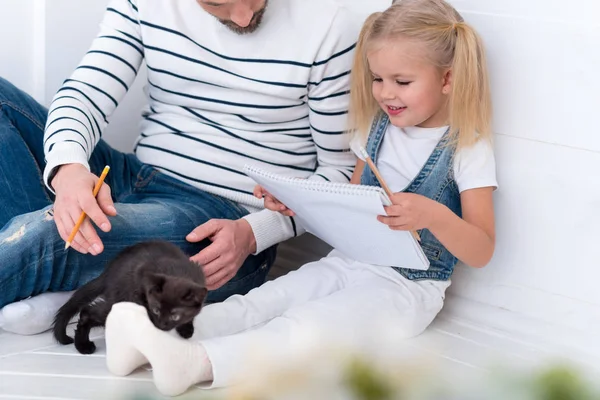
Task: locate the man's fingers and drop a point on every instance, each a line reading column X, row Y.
column 79, row 247
column 220, row 283
column 92, row 240
column 88, row 238
column 80, row 244
column 219, row 277
column 207, row 256
column 92, row 209
column 60, row 227
column 105, row 201
column 67, row 225
column 203, row 231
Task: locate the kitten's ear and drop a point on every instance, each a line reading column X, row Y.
column 195, row 294
column 153, row 283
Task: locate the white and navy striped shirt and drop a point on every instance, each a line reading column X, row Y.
column 218, row 100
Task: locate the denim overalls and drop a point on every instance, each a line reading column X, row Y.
column 435, row 181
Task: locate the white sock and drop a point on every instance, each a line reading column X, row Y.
column 176, row 363
column 33, row 315
column 122, row 358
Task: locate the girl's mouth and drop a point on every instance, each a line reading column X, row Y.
column 395, row 110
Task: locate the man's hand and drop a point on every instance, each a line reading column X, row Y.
column 74, row 186
column 232, row 243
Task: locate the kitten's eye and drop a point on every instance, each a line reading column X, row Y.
column 175, row 317
column 156, row 310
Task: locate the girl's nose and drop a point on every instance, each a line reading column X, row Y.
column 387, row 92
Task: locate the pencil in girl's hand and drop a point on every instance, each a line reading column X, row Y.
column 384, row 185
column 83, row 215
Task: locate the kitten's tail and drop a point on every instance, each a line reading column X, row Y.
column 82, row 297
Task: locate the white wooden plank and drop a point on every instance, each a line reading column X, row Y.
column 543, row 77
column 11, row 343
column 365, row 8
column 57, row 387
column 60, row 365
column 578, row 11
column 499, row 344
column 473, row 347
column 69, row 350
column 547, row 218
column 19, row 397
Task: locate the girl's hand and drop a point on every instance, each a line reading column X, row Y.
column 271, row 202
column 409, row 212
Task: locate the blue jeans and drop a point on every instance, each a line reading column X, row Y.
column 150, row 205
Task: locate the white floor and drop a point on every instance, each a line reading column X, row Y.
column 35, row 367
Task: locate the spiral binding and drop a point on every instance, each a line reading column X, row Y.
column 319, row 186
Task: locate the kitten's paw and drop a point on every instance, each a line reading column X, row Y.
column 186, row 331
column 86, row 347
column 65, row 340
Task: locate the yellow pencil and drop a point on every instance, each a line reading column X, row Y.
column 83, row 215
column 384, row 185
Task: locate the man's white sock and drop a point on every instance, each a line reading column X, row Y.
column 33, row 315
column 131, row 338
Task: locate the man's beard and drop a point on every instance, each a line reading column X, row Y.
column 252, row 26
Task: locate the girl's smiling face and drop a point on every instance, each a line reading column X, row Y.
column 407, row 86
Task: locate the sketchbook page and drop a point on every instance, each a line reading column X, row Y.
column 345, row 217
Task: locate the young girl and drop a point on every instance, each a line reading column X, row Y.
column 421, row 108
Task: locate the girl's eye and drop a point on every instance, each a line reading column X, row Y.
column 175, row 317
column 156, row 310
column 402, row 83
column 377, row 79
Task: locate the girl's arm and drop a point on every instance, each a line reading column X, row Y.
column 470, row 239
column 358, row 170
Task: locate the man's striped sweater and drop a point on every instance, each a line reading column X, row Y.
column 217, row 100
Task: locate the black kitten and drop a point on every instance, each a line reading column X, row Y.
column 154, row 274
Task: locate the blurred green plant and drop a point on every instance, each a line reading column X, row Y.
column 362, row 379
column 365, row 383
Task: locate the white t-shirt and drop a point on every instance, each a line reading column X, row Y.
column 405, row 151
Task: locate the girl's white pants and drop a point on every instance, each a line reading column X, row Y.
column 335, row 295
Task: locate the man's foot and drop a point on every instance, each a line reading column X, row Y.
column 176, row 363
column 33, row 315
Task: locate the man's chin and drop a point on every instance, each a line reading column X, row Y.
column 239, row 29
column 252, row 26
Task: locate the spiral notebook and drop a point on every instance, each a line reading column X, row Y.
column 345, row 217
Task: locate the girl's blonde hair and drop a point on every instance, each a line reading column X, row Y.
column 450, row 43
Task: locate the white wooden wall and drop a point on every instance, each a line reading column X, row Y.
column 544, row 56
